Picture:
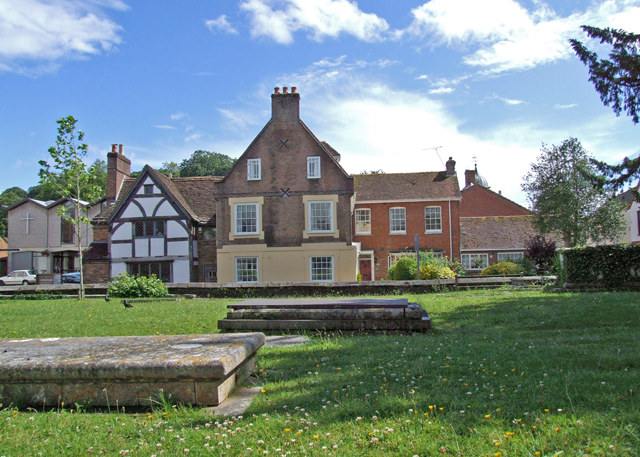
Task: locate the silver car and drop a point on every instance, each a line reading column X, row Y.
column 18, row 277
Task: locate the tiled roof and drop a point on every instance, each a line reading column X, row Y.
column 496, row 232
column 406, row 186
column 194, row 194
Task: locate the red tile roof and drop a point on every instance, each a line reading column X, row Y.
column 406, row 186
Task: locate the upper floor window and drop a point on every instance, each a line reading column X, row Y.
column 363, row 221
column 398, row 220
column 320, row 216
column 208, row 233
column 149, row 229
column 246, row 218
column 66, row 230
column 432, row 219
column 148, row 189
column 313, row 167
column 254, row 171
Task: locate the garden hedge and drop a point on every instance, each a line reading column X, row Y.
column 604, row 266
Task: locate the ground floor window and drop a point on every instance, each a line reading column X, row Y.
column 510, row 256
column 322, row 268
column 246, row 269
column 161, row 270
column 475, row 261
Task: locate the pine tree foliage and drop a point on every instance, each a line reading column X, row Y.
column 617, row 80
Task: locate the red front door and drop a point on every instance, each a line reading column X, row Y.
column 365, row 269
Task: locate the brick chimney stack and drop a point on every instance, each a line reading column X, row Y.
column 285, row 106
column 451, row 167
column 469, row 178
column 118, row 168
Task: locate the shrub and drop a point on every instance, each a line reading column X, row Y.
column 541, row 252
column 433, row 271
column 502, row 268
column 125, row 286
column 404, row 269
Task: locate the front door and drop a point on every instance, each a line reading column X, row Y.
column 365, row 269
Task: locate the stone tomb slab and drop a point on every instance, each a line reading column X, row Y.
column 125, row 370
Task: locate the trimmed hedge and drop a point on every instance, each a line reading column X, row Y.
column 502, row 268
column 605, row 266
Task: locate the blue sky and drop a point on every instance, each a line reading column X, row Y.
column 383, row 82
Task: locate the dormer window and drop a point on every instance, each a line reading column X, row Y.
column 313, row 167
column 254, row 172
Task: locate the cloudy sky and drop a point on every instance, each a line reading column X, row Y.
column 398, row 86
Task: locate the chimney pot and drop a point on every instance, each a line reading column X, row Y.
column 114, row 147
column 451, row 167
column 285, row 90
column 121, row 149
column 276, row 90
column 294, row 89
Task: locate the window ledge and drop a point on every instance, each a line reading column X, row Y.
column 363, row 233
column 397, row 233
column 432, row 232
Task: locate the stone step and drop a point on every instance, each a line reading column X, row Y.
column 327, row 314
column 324, row 303
column 125, row 370
column 423, row 323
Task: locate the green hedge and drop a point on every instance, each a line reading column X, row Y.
column 606, row 266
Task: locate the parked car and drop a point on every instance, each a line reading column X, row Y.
column 18, row 277
column 71, row 277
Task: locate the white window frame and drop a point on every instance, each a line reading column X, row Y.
column 313, row 274
column 510, row 256
column 468, row 260
column 313, row 203
column 393, row 220
column 363, row 222
column 254, row 261
column 236, row 225
column 313, row 167
column 254, row 169
column 435, row 221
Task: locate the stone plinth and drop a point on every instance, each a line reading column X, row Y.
column 126, row 370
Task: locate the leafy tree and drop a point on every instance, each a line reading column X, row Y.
column 53, row 189
column 8, row 198
column 73, row 179
column 617, row 80
column 541, row 252
column 565, row 200
column 205, row 163
column 170, row 168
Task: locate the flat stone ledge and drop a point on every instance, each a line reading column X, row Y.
column 128, row 370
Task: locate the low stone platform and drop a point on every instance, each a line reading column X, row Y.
column 350, row 314
column 125, row 370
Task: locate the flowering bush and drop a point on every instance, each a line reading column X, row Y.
column 126, row 285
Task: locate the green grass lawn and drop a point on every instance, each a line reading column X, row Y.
column 502, row 373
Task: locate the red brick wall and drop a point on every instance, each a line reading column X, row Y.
column 96, row 272
column 478, row 201
column 381, row 241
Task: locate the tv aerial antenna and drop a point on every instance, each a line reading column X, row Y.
column 435, row 148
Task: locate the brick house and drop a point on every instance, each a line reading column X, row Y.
column 158, row 225
column 284, row 209
column 492, row 227
column 392, row 208
column 41, row 240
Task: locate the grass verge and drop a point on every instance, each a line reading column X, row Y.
column 502, row 374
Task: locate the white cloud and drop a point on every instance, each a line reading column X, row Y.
column 178, row 116
column 565, row 106
column 167, row 127
column 510, row 101
column 507, row 36
column 280, row 19
column 220, row 24
column 193, row 137
column 442, row 90
column 35, row 34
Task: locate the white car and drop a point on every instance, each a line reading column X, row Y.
column 18, row 277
